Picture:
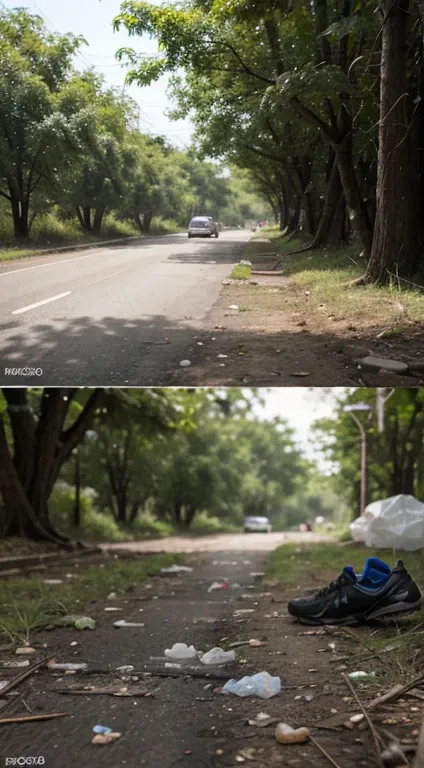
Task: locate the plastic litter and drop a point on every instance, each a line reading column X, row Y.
column 393, row 523
column 261, row 684
column 285, row 734
column 242, row 611
column 3, row 684
column 84, row 622
column 255, row 643
column 245, row 263
column 105, row 738
column 235, row 586
column 217, row 656
column 113, row 609
column 102, row 729
column 185, row 364
column 360, row 675
column 52, row 581
column 181, row 651
column 67, row 667
column 176, row 569
column 125, row 668
column 15, row 664
column 123, row 623
column 233, row 306
column 172, row 665
column 262, row 719
column 217, row 585
column 111, row 596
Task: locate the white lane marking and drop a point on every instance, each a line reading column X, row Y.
column 40, row 303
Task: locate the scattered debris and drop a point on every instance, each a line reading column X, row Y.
column 67, row 667
column 245, row 263
column 257, row 575
column 185, row 364
column 217, row 656
column 242, row 611
column 216, row 585
column 397, row 691
column 125, row 669
column 262, row 720
column 181, row 651
column 361, row 676
column 221, row 357
column 255, row 643
column 123, row 623
column 24, row 675
column 106, row 738
column 52, row 581
column 113, row 609
column 25, row 651
column 102, row 729
column 261, row 684
column 3, row 684
column 357, row 718
column 112, row 596
column 120, row 692
column 176, row 569
column 15, row 664
column 233, row 306
column 299, row 374
column 31, row 718
column 393, row 757
column 285, row 734
column 84, row 622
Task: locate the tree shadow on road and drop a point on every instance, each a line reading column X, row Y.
column 148, row 351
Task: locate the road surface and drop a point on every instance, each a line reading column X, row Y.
column 117, row 315
column 230, row 542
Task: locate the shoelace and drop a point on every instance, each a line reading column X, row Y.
column 333, row 586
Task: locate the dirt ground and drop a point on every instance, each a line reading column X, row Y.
column 186, row 722
column 281, row 335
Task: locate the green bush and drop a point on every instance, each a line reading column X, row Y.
column 113, row 227
column 161, row 226
column 204, row 525
column 48, row 228
column 147, row 525
column 95, row 526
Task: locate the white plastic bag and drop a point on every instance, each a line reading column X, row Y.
column 394, row 523
column 261, row 684
column 217, row 656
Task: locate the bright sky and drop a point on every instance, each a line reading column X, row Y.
column 93, row 20
column 301, row 406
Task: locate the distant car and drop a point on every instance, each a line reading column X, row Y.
column 203, row 226
column 257, row 525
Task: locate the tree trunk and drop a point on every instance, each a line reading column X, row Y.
column 283, row 212
column 396, row 245
column 98, row 219
column 41, row 446
column 77, row 503
column 357, row 209
column 86, row 217
column 147, row 221
column 20, row 214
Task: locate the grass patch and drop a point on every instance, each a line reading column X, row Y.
column 399, row 649
column 241, row 272
column 327, row 274
column 27, row 605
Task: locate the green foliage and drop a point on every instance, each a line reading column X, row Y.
column 95, row 526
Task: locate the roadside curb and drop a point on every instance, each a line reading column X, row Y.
column 27, row 561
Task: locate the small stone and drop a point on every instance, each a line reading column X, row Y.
column 185, row 364
column 356, row 718
column 347, row 724
column 381, row 363
column 25, row 651
column 105, row 738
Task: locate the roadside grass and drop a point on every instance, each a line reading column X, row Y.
column 392, row 649
column 328, row 273
column 241, row 272
column 27, row 604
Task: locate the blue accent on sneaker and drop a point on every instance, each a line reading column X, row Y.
column 349, row 571
column 375, row 573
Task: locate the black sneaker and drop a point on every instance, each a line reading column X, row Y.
column 352, row 599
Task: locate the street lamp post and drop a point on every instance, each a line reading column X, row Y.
column 351, row 409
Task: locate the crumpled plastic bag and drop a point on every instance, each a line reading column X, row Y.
column 393, row 523
column 261, row 684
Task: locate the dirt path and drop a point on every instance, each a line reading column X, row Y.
column 270, row 331
column 253, row 542
column 186, row 723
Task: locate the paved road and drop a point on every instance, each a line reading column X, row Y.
column 230, row 542
column 103, row 316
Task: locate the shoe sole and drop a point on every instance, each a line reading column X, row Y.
column 396, row 609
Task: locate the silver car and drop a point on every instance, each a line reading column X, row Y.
column 257, row 525
column 203, row 226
